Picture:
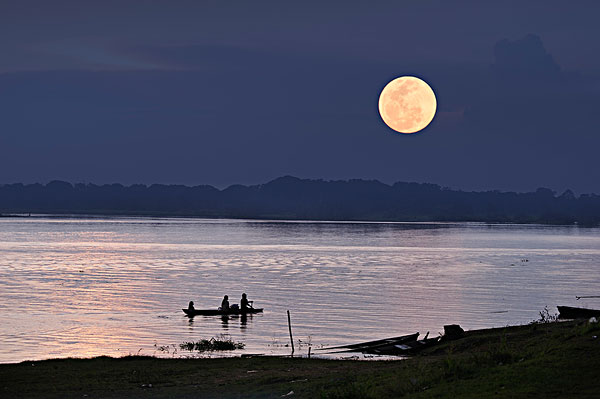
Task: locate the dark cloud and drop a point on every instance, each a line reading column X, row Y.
column 526, row 58
column 535, row 122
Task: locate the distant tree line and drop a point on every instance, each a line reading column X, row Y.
column 292, row 198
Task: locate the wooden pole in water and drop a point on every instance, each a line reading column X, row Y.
column 290, row 328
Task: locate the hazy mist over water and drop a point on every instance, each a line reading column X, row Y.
column 114, row 286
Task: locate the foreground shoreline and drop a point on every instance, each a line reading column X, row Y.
column 558, row 359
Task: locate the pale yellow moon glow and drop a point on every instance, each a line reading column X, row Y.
column 407, row 104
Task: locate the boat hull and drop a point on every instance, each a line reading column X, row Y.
column 368, row 346
column 406, row 348
column 216, row 312
column 569, row 312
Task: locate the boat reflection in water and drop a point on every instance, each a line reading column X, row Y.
column 225, row 322
column 243, row 318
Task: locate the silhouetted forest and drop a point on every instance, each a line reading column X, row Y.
column 292, row 198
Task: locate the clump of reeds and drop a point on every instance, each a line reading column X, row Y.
column 545, row 317
column 221, row 343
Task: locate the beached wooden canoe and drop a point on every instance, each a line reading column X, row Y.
column 569, row 312
column 371, row 345
column 216, row 312
column 405, row 348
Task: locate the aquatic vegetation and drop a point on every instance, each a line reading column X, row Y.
column 220, row 343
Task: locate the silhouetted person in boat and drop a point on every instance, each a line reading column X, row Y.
column 191, row 306
column 245, row 304
column 225, row 303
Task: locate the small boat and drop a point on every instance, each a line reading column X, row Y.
column 406, row 348
column 217, row 312
column 569, row 312
column 372, row 345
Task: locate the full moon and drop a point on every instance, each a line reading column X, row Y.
column 407, row 104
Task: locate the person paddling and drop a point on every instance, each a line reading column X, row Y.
column 191, row 306
column 245, row 304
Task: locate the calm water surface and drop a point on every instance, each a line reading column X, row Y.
column 115, row 286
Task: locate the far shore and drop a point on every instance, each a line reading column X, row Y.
column 546, row 360
column 159, row 215
column 292, row 198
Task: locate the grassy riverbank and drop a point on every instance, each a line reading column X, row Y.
column 543, row 360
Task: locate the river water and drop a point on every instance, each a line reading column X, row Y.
column 87, row 286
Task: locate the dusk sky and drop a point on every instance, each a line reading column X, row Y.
column 225, row 92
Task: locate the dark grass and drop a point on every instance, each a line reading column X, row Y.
column 551, row 360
